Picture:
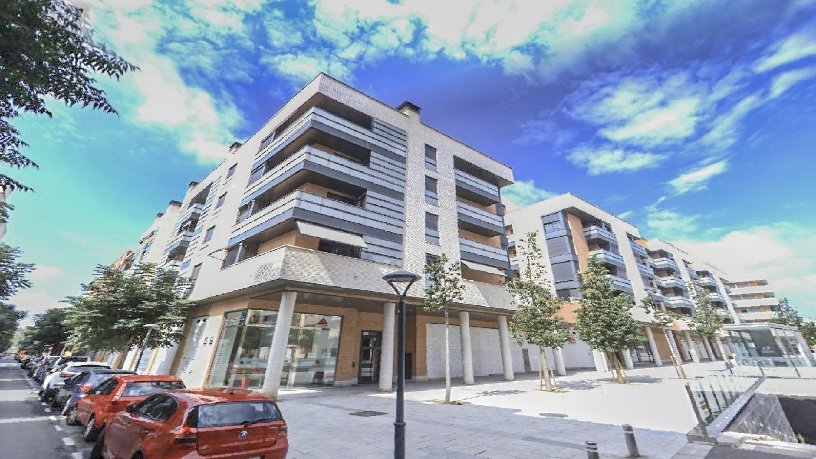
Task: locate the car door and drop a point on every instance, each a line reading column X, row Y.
column 143, row 427
column 87, row 405
column 123, row 433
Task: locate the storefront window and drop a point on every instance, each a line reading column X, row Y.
column 243, row 349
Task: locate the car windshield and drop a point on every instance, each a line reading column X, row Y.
column 83, row 367
column 236, row 413
column 144, row 388
column 97, row 378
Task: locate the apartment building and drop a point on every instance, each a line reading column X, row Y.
column 572, row 231
column 753, row 300
column 288, row 239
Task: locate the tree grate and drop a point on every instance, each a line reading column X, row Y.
column 367, row 414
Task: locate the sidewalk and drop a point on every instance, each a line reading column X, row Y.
column 499, row 419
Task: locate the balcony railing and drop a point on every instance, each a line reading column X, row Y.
column 494, row 221
column 756, row 315
column 646, row 271
column 707, row 281
column 692, row 273
column 638, row 249
column 669, row 282
column 665, row 263
column 467, row 179
column 679, row 302
column 482, row 249
column 180, row 240
column 714, row 296
column 756, row 302
column 619, row 283
column 595, row 232
column 194, row 211
column 606, row 256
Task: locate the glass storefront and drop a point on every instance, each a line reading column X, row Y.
column 766, row 346
column 243, row 349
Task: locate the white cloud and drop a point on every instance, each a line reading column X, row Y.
column 675, row 120
column 608, row 160
column 697, row 179
column 35, row 303
column 784, row 81
column 45, row 272
column 789, row 50
column 523, row 193
column 669, row 224
column 784, row 253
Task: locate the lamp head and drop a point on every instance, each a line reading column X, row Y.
column 395, row 278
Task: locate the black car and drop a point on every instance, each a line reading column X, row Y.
column 80, row 385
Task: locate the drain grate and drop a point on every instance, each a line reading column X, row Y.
column 553, row 415
column 366, row 414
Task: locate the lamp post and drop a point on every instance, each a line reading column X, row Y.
column 395, row 279
column 150, row 328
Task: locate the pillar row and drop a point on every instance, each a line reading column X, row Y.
column 653, row 346
column 280, row 338
column 504, row 341
column 467, row 350
column 692, row 347
column 387, row 352
column 560, row 368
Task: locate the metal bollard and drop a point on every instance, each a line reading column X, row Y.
column 592, row 450
column 631, row 443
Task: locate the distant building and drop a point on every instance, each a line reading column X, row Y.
column 754, row 300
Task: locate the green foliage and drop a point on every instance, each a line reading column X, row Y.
column 787, row 314
column 10, row 318
column 808, row 329
column 660, row 317
column 706, row 321
column 13, row 274
column 444, row 284
column 604, row 320
column 46, row 51
column 535, row 320
column 114, row 307
column 49, row 327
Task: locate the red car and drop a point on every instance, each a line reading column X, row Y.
column 114, row 395
column 189, row 424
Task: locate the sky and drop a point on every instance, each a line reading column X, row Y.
column 693, row 120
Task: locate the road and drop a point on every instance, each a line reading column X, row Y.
column 27, row 428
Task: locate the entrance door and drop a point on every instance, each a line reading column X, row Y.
column 370, row 343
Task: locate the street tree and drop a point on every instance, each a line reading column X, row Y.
column 50, row 329
column 604, row 319
column 705, row 321
column 808, row 329
column 664, row 320
column 787, row 314
column 47, row 51
column 443, row 287
column 13, row 273
column 535, row 320
column 114, row 307
column 10, row 319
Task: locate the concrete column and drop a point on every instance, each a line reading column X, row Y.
column 673, row 346
column 804, row 349
column 724, row 352
column 280, row 338
column 601, row 363
column 130, row 359
column 560, row 368
column 504, row 341
column 692, row 347
column 387, row 352
column 467, row 349
column 653, row 346
column 709, row 350
column 627, row 359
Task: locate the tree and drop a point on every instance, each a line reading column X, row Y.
column 10, row 319
column 787, row 314
column 535, row 320
column 443, row 287
column 50, row 329
column 46, row 51
column 115, row 306
column 604, row 321
column 664, row 319
column 808, row 329
column 13, row 274
column 706, row 322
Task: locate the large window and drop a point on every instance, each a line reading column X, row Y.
column 338, row 248
column 243, row 349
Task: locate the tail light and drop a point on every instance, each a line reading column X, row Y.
column 85, row 388
column 185, row 438
column 65, row 374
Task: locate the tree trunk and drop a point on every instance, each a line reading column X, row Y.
column 447, row 359
column 544, row 369
column 676, row 361
column 620, row 375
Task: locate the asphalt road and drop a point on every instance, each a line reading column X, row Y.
column 28, row 429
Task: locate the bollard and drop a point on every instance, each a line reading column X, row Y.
column 631, row 443
column 592, row 450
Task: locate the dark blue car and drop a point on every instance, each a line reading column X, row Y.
column 80, row 385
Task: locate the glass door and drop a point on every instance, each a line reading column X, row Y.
column 370, row 343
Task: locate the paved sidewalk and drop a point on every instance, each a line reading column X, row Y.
column 499, row 419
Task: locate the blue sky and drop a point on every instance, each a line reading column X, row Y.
column 693, row 120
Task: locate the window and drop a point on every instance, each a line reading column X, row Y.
column 196, row 270
column 106, row 388
column 341, row 198
column 430, row 184
column 209, row 233
column 553, row 227
column 231, row 257
column 220, row 201
column 145, row 388
column 430, row 152
column 267, row 140
column 244, row 212
column 235, row 413
column 431, row 221
column 429, row 258
column 231, row 170
column 157, row 407
column 338, row 248
column 257, row 173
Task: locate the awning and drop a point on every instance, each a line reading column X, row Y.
column 321, row 232
column 483, row 268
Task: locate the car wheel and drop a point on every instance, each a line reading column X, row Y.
column 55, row 403
column 96, row 451
column 90, row 432
column 70, row 417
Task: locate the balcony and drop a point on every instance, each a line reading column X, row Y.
column 638, row 249
column 480, row 218
column 376, row 136
column 669, row 282
column 619, row 283
column 179, row 243
column 192, row 212
column 665, row 263
column 598, row 233
column 716, row 297
column 483, row 253
column 657, row 294
column 757, row 302
column 679, row 302
column 646, row 271
column 608, row 257
column 757, row 316
column 692, row 273
column 475, row 185
column 285, row 207
column 707, row 281
column 321, row 162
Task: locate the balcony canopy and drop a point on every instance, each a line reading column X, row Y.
column 321, row 232
column 482, row 268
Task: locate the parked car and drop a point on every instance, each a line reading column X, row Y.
column 71, row 358
column 114, row 395
column 52, row 383
column 42, row 368
column 80, row 385
column 223, row 423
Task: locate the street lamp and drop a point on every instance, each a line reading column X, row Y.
column 150, row 328
column 395, row 279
